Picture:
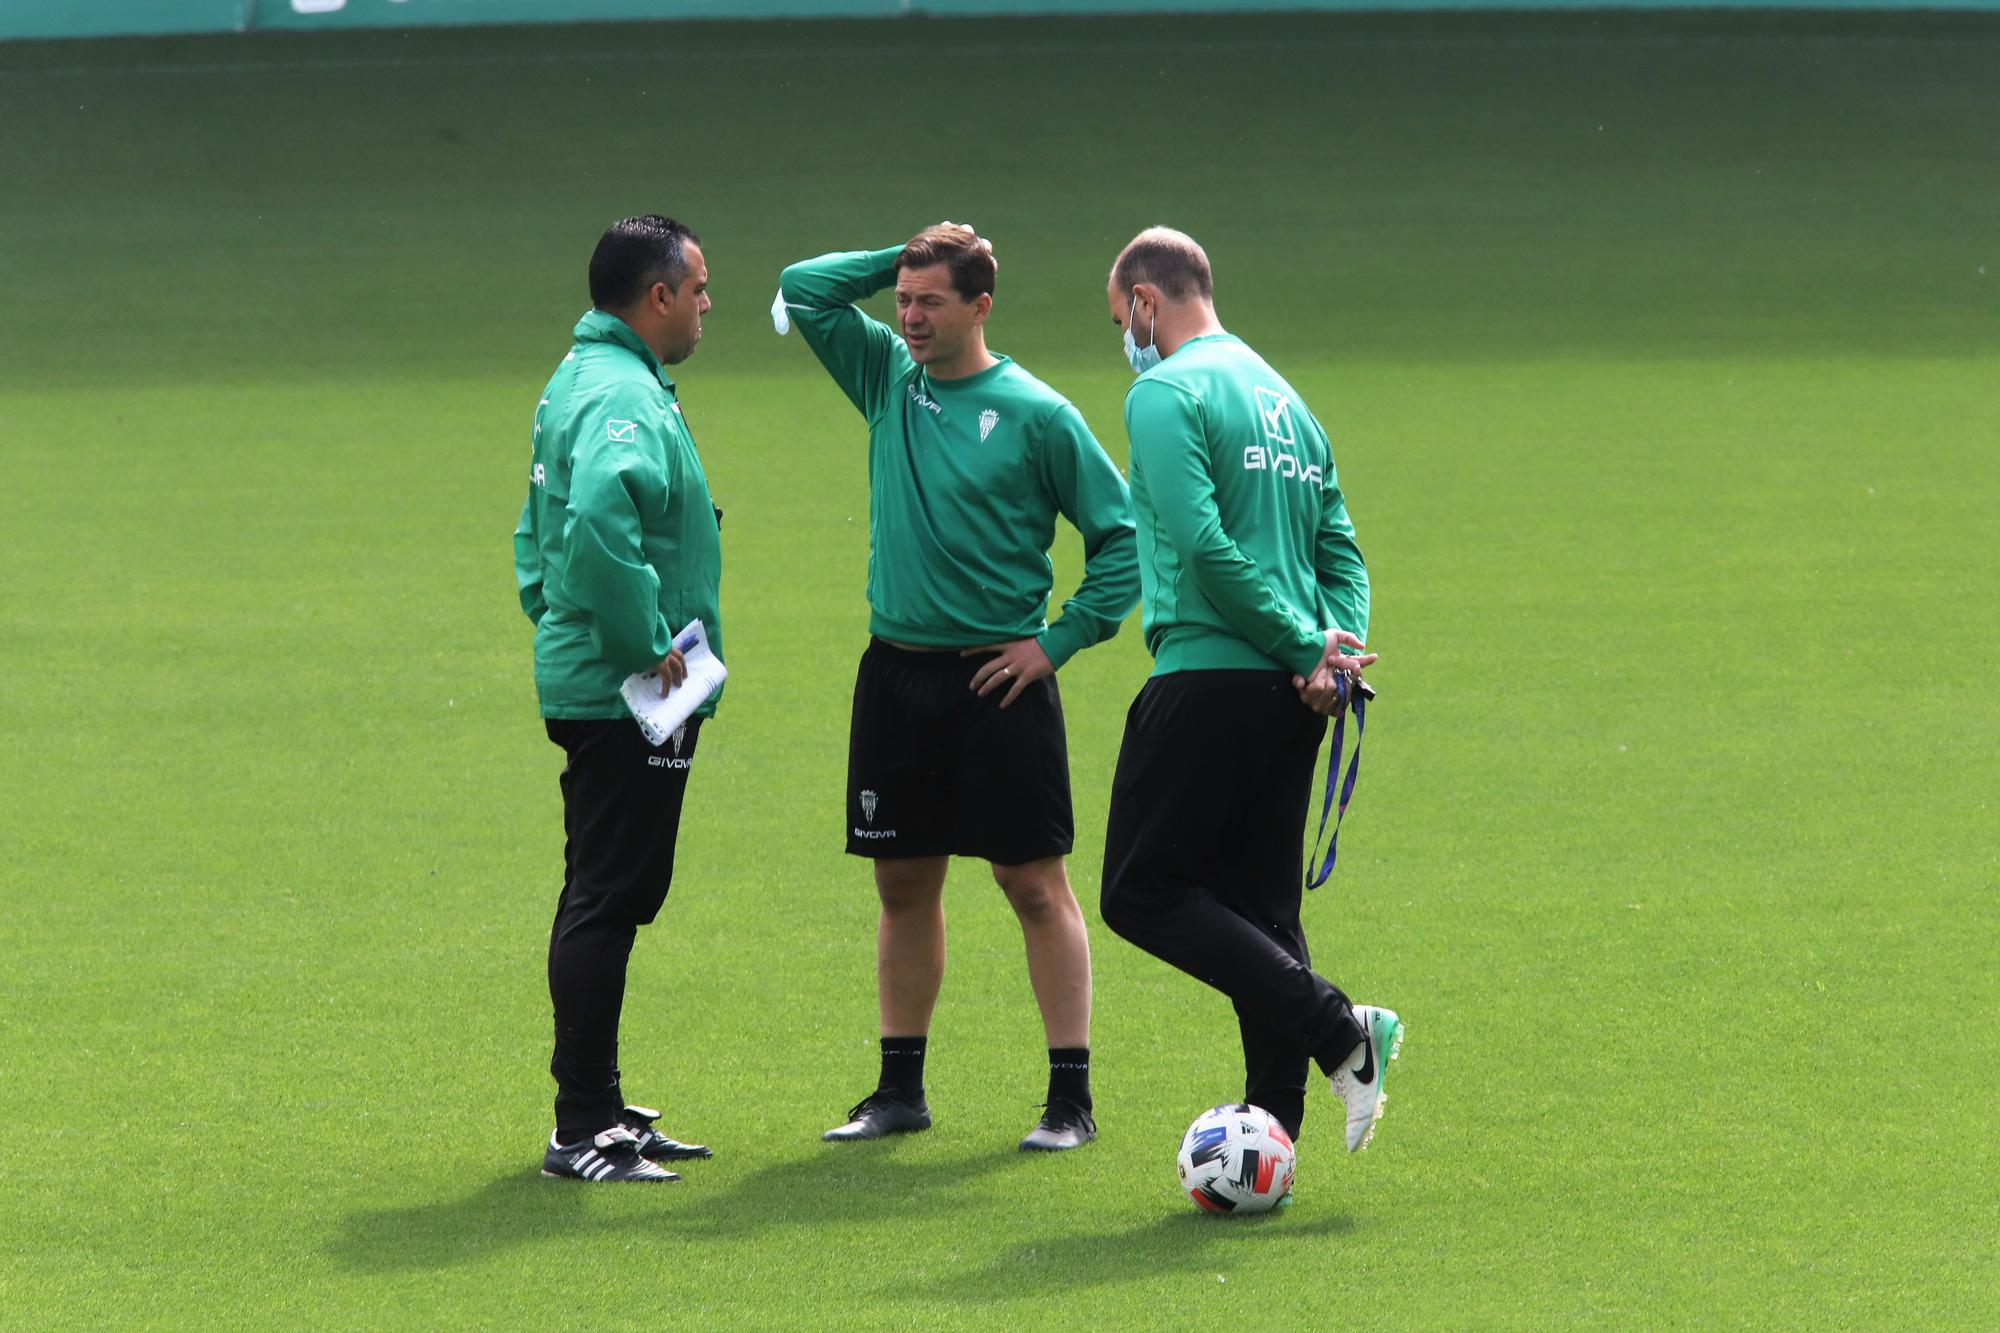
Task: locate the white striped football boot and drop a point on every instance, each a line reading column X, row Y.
column 655, row 1146
column 612, row 1155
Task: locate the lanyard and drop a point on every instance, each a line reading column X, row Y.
column 1356, row 701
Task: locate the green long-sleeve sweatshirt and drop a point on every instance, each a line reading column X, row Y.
column 1245, row 548
column 966, row 478
column 619, row 544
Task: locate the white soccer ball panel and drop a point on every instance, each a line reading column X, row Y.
column 1236, row 1159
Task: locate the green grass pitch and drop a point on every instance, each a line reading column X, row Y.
column 1662, row 358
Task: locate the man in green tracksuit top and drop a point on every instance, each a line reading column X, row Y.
column 618, row 548
column 1253, row 584
column 956, row 745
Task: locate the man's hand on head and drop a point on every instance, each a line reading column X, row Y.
column 985, row 245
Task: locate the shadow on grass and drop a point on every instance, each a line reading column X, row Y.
column 840, row 1187
column 1183, row 1241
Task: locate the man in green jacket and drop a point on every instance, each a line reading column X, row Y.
column 1252, row 586
column 957, row 745
column 618, row 547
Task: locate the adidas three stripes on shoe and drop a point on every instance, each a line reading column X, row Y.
column 611, row 1155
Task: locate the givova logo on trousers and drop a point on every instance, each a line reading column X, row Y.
column 1281, row 436
column 661, row 761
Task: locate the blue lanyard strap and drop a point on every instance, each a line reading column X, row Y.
column 1353, row 700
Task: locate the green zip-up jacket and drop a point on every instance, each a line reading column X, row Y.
column 619, row 544
column 1245, row 548
column 966, row 478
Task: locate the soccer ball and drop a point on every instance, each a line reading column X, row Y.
column 1236, row 1159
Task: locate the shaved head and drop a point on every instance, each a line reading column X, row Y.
column 1170, row 260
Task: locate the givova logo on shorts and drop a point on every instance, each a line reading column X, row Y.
column 869, row 802
column 1281, row 436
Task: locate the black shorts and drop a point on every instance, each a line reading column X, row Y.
column 935, row 770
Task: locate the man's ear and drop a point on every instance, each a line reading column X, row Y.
column 982, row 306
column 661, row 296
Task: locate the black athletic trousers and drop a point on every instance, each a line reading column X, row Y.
column 621, row 812
column 1202, row 864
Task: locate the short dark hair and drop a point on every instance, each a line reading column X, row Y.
column 1169, row 260
column 635, row 253
column 968, row 256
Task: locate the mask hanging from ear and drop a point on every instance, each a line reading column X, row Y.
column 1144, row 358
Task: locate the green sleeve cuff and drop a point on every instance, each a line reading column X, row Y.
column 1304, row 659
column 1061, row 642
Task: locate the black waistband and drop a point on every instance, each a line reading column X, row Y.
column 939, row 659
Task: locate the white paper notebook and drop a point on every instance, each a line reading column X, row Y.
column 660, row 716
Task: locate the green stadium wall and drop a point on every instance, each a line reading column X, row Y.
column 107, row 18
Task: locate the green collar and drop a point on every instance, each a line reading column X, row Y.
column 601, row 326
column 977, row 378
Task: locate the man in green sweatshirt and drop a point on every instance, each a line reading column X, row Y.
column 956, row 745
column 1253, row 585
column 618, row 547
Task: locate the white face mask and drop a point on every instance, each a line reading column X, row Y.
column 1144, row 358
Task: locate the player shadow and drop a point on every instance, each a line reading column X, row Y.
column 1182, row 1240
column 841, row 1186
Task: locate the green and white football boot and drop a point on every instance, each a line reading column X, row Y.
column 1358, row 1083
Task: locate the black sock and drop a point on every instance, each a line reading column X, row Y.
column 903, row 1067
column 1069, row 1074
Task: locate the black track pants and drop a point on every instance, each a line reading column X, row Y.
column 1202, row 864
column 622, row 813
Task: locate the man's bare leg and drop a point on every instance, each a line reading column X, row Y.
column 909, row 942
column 909, row 971
column 1058, row 948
